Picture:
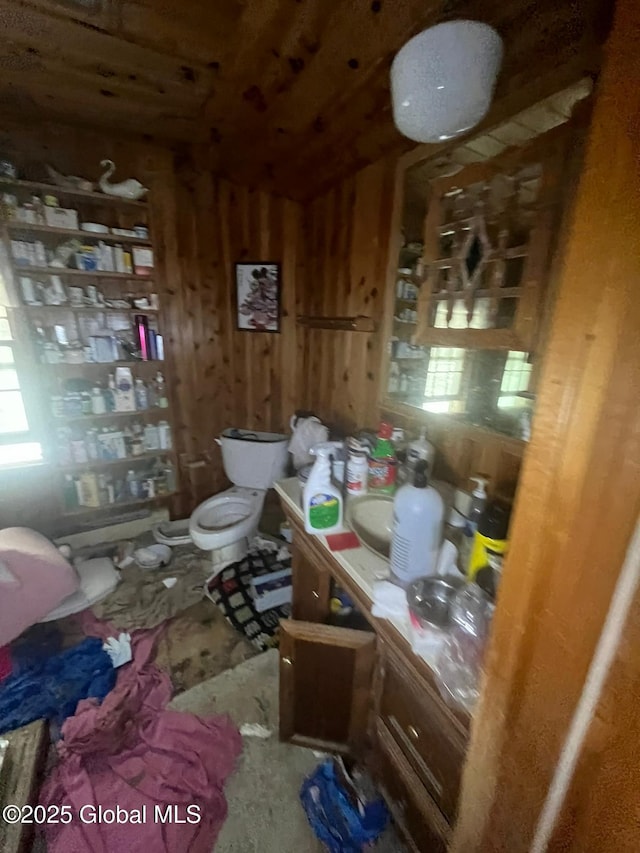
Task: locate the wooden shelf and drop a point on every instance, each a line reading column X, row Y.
column 92, row 309
column 48, row 230
column 109, row 416
column 97, row 464
column 65, row 271
column 338, row 324
column 52, row 189
column 87, row 510
column 104, row 365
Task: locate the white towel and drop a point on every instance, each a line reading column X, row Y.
column 389, row 601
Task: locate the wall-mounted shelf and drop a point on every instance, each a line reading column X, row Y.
column 124, row 505
column 338, row 324
column 96, row 198
column 90, row 309
column 104, row 365
column 14, row 225
column 109, row 416
column 96, row 464
column 65, row 271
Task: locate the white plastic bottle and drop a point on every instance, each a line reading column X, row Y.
column 419, row 449
column 321, row 499
column 418, row 513
column 476, row 508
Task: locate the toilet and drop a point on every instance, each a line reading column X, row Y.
column 224, row 524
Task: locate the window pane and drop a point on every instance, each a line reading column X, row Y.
column 5, row 331
column 8, row 379
column 15, row 454
column 6, row 355
column 13, row 417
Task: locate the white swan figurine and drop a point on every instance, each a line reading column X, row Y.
column 131, row 188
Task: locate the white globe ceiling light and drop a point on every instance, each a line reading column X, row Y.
column 442, row 80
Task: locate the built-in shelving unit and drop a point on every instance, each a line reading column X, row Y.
column 62, row 333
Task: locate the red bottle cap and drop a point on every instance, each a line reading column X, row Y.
column 385, row 431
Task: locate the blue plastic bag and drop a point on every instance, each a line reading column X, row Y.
column 336, row 821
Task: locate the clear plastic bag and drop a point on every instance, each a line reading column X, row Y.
column 459, row 665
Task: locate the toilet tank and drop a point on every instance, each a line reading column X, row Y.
column 254, row 460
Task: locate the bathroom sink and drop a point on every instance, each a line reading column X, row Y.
column 371, row 517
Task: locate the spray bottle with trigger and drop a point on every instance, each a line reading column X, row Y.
column 322, row 500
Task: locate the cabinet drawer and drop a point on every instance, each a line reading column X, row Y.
column 421, row 725
column 413, row 810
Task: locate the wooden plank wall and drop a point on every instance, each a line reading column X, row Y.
column 347, row 237
column 224, row 377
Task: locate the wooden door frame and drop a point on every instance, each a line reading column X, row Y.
column 579, row 494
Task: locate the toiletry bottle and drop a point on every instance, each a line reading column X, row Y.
column 419, row 449
column 383, row 463
column 110, row 396
column 357, row 473
column 321, row 499
column 490, row 542
column 161, row 392
column 476, row 508
column 142, row 400
column 418, row 513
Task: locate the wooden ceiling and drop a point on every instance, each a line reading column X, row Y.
column 289, row 94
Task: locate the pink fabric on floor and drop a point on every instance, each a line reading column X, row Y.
column 6, row 666
column 132, row 752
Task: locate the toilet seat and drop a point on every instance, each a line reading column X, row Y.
column 226, row 517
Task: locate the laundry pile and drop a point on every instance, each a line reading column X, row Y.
column 132, row 752
column 51, row 686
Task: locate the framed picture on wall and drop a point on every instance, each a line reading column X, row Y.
column 258, row 297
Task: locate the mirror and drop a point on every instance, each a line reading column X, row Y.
column 487, row 386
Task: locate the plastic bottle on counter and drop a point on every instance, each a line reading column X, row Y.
column 321, row 499
column 418, row 513
column 476, row 508
column 357, row 473
column 419, row 449
column 383, row 463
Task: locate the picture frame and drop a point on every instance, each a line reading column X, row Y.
column 258, row 285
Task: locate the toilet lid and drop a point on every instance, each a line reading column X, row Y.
column 224, row 513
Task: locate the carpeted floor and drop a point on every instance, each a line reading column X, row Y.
column 265, row 815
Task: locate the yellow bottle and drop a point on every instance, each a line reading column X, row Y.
column 490, row 542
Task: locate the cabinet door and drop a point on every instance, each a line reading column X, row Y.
column 311, row 587
column 326, row 678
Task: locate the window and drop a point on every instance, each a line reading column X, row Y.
column 17, row 444
column 443, row 384
column 515, row 378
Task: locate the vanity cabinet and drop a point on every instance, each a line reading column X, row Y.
column 325, row 683
column 363, row 693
